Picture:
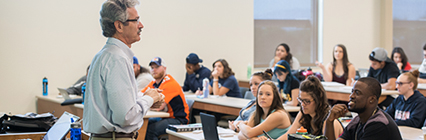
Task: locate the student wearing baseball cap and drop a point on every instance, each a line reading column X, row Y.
column 195, row 73
column 384, row 70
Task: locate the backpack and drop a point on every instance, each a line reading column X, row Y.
column 30, row 122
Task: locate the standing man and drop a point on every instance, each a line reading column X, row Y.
column 385, row 71
column 175, row 103
column 195, row 73
column 112, row 108
column 372, row 123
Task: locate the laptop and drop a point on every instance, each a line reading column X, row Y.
column 60, row 129
column 209, row 126
column 64, row 93
column 68, row 99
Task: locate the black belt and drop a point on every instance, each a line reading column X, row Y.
column 133, row 135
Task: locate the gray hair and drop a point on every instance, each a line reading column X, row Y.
column 113, row 10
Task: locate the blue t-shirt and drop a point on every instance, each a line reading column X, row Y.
column 232, row 84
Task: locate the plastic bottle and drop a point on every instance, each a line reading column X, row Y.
column 45, row 86
column 301, row 131
column 206, row 87
column 248, row 71
column 83, row 91
column 75, row 130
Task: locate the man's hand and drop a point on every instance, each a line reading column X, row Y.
column 189, row 68
column 338, row 110
column 154, row 94
column 158, row 106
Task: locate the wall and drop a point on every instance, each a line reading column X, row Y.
column 360, row 25
column 58, row 39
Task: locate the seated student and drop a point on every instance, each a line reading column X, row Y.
column 223, row 80
column 245, row 112
column 282, row 52
column 398, row 56
column 422, row 68
column 143, row 76
column 314, row 109
column 409, row 109
column 76, row 88
column 288, row 84
column 340, row 70
column 372, row 123
column 383, row 70
column 195, row 73
column 269, row 116
column 174, row 100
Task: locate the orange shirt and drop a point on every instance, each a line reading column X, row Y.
column 174, row 97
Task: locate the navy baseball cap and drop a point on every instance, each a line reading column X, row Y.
column 158, row 61
column 135, row 60
column 193, row 59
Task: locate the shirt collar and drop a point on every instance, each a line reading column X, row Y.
column 122, row 46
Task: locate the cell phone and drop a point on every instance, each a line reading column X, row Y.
column 267, row 135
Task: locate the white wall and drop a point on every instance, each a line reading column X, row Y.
column 360, row 25
column 58, row 39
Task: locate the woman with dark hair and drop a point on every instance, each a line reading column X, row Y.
column 288, row 84
column 282, row 52
column 245, row 112
column 398, row 56
column 314, row 110
column 409, row 109
column 223, row 81
column 340, row 70
column 269, row 116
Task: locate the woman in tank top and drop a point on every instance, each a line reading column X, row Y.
column 340, row 70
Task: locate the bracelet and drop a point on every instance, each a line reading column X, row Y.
column 215, row 80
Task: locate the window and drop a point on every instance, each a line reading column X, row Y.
column 293, row 22
column 409, row 28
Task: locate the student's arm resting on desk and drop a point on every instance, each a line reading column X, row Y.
column 390, row 85
column 274, row 120
column 296, row 125
column 219, row 91
column 294, row 95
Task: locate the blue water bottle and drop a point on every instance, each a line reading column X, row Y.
column 83, row 91
column 44, row 86
column 75, row 130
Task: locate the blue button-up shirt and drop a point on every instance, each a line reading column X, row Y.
column 111, row 102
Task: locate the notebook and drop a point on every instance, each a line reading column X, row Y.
column 61, row 127
column 185, row 128
column 209, row 126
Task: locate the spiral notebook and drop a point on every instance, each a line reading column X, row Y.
column 185, row 128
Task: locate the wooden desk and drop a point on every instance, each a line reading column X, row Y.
column 422, row 89
column 192, row 136
column 225, row 105
column 53, row 104
column 244, row 83
column 342, row 93
column 410, row 133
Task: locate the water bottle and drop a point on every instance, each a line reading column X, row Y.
column 75, row 130
column 206, row 87
column 44, row 86
column 83, row 91
column 248, row 71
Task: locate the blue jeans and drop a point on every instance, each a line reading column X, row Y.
column 158, row 127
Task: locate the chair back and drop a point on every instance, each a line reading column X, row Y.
column 249, row 95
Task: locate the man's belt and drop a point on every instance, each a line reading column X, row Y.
column 133, row 135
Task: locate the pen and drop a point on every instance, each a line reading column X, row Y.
column 267, row 135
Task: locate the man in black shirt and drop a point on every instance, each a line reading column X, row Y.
column 385, row 71
column 371, row 123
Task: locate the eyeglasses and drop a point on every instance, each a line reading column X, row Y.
column 304, row 101
column 137, row 20
column 401, row 83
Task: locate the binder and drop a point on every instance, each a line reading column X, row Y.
column 185, row 128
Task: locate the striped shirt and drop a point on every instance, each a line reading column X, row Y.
column 111, row 101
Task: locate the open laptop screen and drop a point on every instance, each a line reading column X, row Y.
column 61, row 127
